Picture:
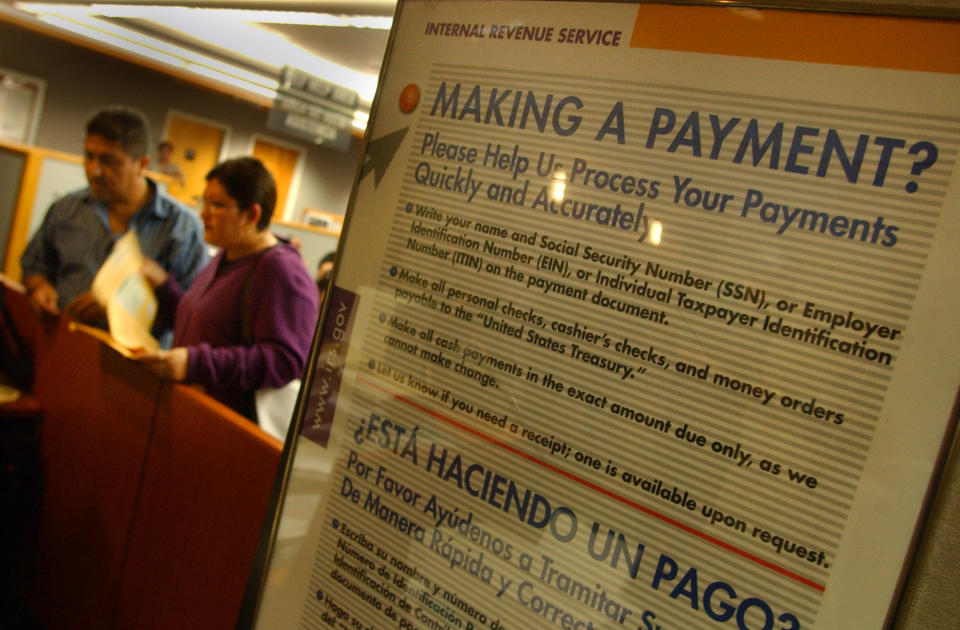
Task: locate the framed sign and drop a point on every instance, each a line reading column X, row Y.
column 644, row 317
column 21, row 103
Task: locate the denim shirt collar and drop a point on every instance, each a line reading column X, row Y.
column 154, row 206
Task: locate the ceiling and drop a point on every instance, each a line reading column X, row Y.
column 240, row 46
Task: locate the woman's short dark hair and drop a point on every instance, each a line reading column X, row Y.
column 125, row 126
column 248, row 182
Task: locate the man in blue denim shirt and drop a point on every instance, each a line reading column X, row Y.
column 79, row 230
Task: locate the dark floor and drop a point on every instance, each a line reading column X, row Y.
column 20, row 491
column 13, row 616
column 13, row 613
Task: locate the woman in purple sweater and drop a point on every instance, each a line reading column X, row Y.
column 247, row 321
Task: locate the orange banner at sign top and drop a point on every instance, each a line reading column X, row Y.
column 852, row 40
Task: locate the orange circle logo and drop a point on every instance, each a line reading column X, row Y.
column 409, row 98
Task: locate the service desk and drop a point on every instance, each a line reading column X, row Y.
column 153, row 494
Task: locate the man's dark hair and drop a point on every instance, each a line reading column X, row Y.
column 166, row 144
column 124, row 126
column 248, row 181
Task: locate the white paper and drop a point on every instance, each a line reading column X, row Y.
column 129, row 300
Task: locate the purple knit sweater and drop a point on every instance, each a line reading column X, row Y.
column 282, row 308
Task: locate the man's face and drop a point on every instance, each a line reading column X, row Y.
column 111, row 172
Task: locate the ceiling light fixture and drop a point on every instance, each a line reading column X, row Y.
column 360, row 119
column 165, row 53
column 160, row 12
column 220, row 27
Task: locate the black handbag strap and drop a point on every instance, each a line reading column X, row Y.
column 246, row 332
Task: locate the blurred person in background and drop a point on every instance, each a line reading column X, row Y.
column 165, row 163
column 325, row 274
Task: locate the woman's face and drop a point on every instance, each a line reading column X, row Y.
column 224, row 224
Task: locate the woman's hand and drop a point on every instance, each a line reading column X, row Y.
column 153, row 272
column 169, row 364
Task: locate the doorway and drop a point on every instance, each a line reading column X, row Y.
column 285, row 162
column 197, row 148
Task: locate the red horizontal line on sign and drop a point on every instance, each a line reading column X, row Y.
column 871, row 41
column 601, row 490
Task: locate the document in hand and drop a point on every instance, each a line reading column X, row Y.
column 122, row 290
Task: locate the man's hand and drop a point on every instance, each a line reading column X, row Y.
column 169, row 364
column 88, row 310
column 42, row 297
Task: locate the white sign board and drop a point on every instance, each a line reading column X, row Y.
column 644, row 318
